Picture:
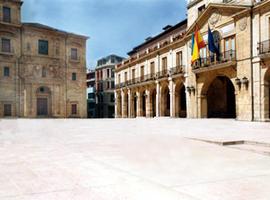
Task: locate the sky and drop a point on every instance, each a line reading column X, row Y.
column 114, row 26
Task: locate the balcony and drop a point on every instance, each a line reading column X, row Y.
column 177, row 70
column 162, row 74
column 264, row 49
column 225, row 59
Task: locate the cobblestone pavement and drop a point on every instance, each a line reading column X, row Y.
column 136, row 159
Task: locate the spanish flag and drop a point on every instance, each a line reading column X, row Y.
column 197, row 44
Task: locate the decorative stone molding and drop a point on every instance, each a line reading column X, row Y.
column 215, row 17
column 243, row 24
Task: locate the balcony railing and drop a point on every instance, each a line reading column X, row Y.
column 224, row 57
column 163, row 73
column 264, row 47
column 177, row 70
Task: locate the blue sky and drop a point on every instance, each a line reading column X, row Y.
column 114, row 26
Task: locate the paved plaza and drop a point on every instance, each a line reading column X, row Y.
column 134, row 159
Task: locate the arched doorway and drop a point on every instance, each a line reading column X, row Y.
column 153, row 103
column 221, row 99
column 126, row 99
column 43, row 102
column 165, row 101
column 144, row 104
column 180, row 99
column 135, row 106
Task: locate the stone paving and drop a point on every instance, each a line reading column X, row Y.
column 132, row 159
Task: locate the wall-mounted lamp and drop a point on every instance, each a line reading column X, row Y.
column 245, row 82
column 191, row 89
column 238, row 82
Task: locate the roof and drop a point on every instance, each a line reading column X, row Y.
column 166, row 29
column 42, row 26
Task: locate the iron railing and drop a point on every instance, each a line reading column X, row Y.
column 264, row 47
column 177, row 70
column 215, row 59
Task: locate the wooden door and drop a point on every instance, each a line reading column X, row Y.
column 42, row 107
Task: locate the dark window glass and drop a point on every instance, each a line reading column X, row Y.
column 7, row 110
column 74, row 76
column 112, row 84
column 43, row 47
column 74, row 109
column 6, row 71
column 6, row 46
column 108, row 73
column 112, row 97
column 6, row 14
column 108, row 85
column 74, row 54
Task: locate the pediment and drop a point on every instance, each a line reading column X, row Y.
column 216, row 15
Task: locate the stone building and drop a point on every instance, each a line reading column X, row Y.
column 105, row 85
column 42, row 69
column 158, row 78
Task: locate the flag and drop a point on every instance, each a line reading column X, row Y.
column 211, row 42
column 195, row 51
column 197, row 44
column 201, row 43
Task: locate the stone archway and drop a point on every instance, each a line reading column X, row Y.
column 143, row 106
column 180, row 101
column 43, row 102
column 165, row 101
column 153, row 104
column 220, row 98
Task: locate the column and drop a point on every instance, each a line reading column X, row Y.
column 139, row 104
column 148, row 104
column 158, row 99
column 116, row 105
column 130, row 113
column 124, row 105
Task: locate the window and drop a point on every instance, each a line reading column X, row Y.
column 125, row 77
column 229, row 47
column 6, row 71
column 201, row 9
column 74, row 54
column 74, row 76
column 133, row 73
column 164, row 63
column 119, row 78
column 6, row 46
column 108, row 73
column 7, row 110
column 112, row 97
column 74, row 109
column 179, row 58
column 6, row 14
column 112, row 84
column 142, row 73
column 112, row 74
column 152, row 68
column 43, row 47
column 108, row 85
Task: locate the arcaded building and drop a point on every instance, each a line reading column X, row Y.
column 42, row 69
column 158, row 79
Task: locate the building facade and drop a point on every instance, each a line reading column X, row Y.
column 158, row 78
column 91, row 94
column 42, row 69
column 105, row 86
